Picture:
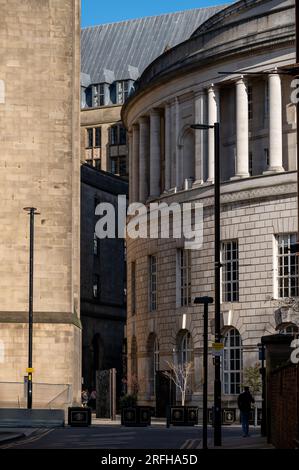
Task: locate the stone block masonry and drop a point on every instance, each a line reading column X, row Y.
column 40, row 167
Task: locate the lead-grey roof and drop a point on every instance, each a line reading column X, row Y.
column 126, row 48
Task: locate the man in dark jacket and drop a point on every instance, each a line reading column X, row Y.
column 244, row 403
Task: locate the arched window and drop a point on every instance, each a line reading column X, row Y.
column 232, row 362
column 185, row 352
column 154, row 362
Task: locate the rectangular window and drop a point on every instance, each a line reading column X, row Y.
column 133, row 287
column 122, row 135
column 93, row 137
column 287, row 267
column 250, row 102
column 113, row 135
column 97, row 163
column 99, row 95
column 153, row 283
column 232, row 363
column 96, row 286
column 230, row 271
column 93, row 146
column 119, row 165
column 97, row 133
column 122, row 91
column 185, row 277
column 89, row 137
column 122, row 166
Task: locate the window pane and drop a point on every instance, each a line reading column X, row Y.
column 122, row 166
column 97, row 163
column 122, row 136
column 230, row 271
column 97, row 137
column 89, row 136
column 232, row 362
column 113, row 135
column 287, row 267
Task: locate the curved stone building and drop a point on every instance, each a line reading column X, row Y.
column 233, row 69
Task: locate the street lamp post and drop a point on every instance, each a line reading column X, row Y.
column 205, row 301
column 32, row 211
column 261, row 347
column 217, row 247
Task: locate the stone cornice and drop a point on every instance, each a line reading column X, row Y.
column 66, row 318
column 264, row 187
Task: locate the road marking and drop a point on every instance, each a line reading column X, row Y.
column 192, row 444
column 26, row 440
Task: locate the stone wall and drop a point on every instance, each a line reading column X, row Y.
column 40, row 165
column 253, row 213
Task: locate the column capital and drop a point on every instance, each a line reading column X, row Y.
column 201, row 92
column 135, row 125
column 155, row 111
column 241, row 80
column 274, row 72
column 212, row 88
column 143, row 120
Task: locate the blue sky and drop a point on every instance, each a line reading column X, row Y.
column 103, row 11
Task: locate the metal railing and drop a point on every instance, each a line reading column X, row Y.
column 14, row 395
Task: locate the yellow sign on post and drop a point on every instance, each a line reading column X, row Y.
column 217, row 349
column 30, row 370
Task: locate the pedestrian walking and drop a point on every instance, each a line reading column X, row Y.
column 245, row 400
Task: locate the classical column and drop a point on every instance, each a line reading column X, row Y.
column 201, row 137
column 155, row 152
column 275, row 124
column 144, row 140
column 242, row 136
column 130, row 162
column 178, row 149
column 135, row 164
column 213, row 116
column 174, row 138
column 167, row 147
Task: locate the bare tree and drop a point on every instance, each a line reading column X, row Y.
column 180, row 375
column 252, row 379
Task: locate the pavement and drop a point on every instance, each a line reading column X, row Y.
column 107, row 434
column 13, row 434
